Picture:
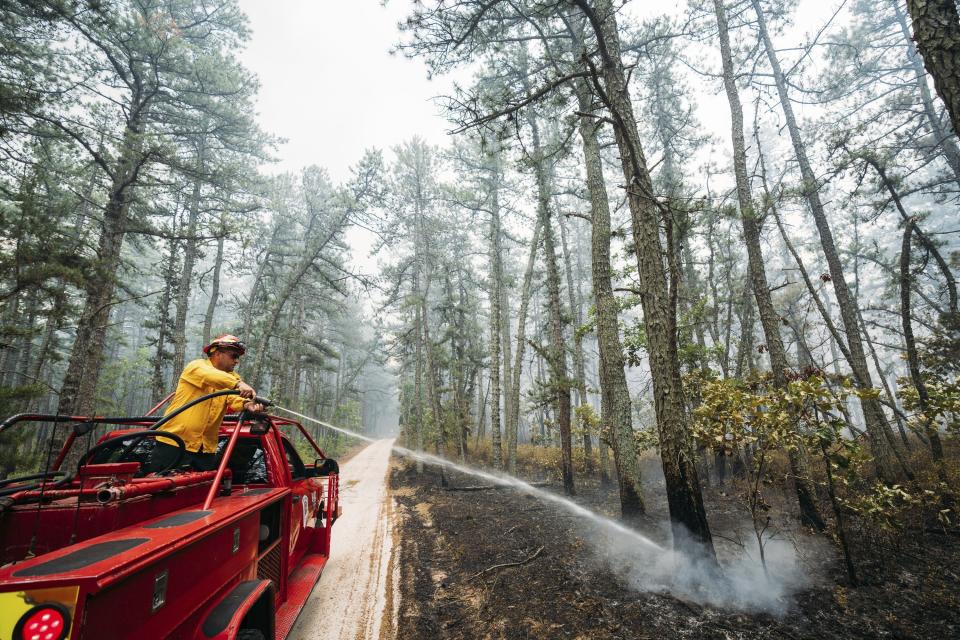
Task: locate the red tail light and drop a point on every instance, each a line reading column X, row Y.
column 43, row 622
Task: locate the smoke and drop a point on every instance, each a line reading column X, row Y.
column 685, row 571
column 737, row 581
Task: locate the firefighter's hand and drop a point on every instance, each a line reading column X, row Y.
column 246, row 391
column 253, row 407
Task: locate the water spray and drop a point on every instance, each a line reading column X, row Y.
column 500, row 479
column 645, row 564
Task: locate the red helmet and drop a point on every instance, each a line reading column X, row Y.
column 226, row 342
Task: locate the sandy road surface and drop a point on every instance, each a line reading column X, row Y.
column 354, row 599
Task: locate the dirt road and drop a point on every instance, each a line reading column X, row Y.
column 354, row 599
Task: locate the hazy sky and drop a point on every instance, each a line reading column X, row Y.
column 329, row 84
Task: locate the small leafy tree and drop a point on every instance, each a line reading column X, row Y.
column 756, row 420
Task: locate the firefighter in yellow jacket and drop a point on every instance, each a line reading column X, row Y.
column 198, row 426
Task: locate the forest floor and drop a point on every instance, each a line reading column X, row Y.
column 559, row 583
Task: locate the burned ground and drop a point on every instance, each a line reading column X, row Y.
column 550, row 584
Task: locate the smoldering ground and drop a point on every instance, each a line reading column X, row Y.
column 737, row 580
column 471, row 570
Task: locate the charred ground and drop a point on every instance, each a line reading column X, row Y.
column 451, row 542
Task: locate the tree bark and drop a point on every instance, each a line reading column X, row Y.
column 576, row 308
column 769, row 318
column 78, row 393
column 615, row 413
column 418, row 374
column 558, row 353
column 433, row 396
column 944, row 139
column 745, row 348
column 684, row 496
column 160, row 357
column 214, row 285
column 496, row 330
column 936, row 29
column 186, row 277
column 506, row 378
column 881, row 438
column 913, row 358
column 514, row 426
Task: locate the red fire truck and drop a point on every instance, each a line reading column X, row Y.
column 104, row 550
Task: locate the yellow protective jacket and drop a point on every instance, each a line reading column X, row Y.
column 199, row 424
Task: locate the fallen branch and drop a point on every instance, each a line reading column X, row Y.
column 508, row 564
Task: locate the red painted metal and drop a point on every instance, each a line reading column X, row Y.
column 160, row 404
column 188, row 560
column 309, row 438
column 67, row 445
column 78, row 516
column 223, row 465
column 300, row 586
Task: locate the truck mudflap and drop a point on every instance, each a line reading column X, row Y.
column 45, row 614
column 249, row 605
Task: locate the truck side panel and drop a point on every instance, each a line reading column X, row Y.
column 155, row 602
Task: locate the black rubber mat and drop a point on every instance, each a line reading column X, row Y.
column 81, row 558
column 177, row 519
column 220, row 617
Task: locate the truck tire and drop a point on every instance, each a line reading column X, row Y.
column 250, row 634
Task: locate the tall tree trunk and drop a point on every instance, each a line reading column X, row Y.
column 901, row 427
column 913, row 358
column 215, row 284
column 26, row 341
column 50, row 328
column 881, row 438
column 714, row 324
column 507, row 377
column 418, row 376
column 482, row 395
column 433, row 396
column 936, row 29
column 78, row 393
column 253, row 298
column 186, row 277
column 580, row 380
column 943, row 137
column 525, row 292
column 745, row 348
column 496, row 330
column 615, row 414
column 558, row 351
column 684, row 496
column 463, row 379
column 769, row 318
column 160, row 388
column 10, row 322
column 693, row 290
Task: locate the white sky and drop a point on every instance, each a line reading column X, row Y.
column 330, row 87
column 329, row 84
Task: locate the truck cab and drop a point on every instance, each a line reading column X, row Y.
column 114, row 552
